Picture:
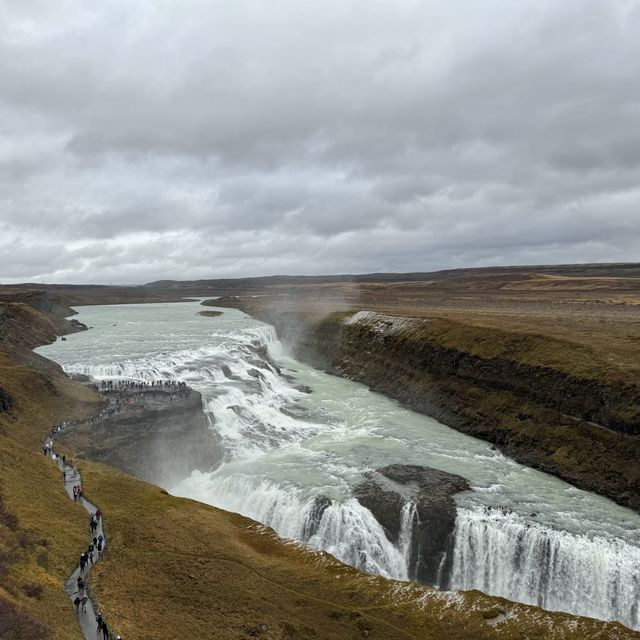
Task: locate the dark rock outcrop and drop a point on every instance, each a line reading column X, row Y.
column 320, row 504
column 5, row 400
column 386, row 492
column 161, row 443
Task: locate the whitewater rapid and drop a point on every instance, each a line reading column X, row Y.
column 296, row 441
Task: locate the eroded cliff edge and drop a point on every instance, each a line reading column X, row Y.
column 160, row 441
column 571, row 423
column 426, row 521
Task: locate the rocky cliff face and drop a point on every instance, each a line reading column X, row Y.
column 582, row 430
column 390, row 491
column 161, row 442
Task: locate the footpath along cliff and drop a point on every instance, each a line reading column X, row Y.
column 484, row 382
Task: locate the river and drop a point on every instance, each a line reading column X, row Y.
column 291, row 432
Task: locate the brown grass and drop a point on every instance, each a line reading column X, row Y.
column 584, row 326
column 42, row 532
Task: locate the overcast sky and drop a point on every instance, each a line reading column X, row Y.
column 186, row 139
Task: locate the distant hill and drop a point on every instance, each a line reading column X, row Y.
column 234, row 284
column 173, row 290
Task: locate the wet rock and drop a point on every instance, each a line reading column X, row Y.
column 161, row 442
column 304, row 388
column 386, row 491
column 5, row 400
column 320, row 504
column 80, row 377
column 227, row 372
column 386, row 505
column 295, row 411
column 260, row 364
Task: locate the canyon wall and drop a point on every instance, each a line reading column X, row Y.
column 581, row 429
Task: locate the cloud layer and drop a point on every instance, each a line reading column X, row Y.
column 165, row 139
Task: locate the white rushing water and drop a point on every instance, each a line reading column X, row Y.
column 296, row 441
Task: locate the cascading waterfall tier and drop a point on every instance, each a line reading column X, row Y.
column 345, row 528
column 504, row 555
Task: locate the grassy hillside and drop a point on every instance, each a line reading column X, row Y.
column 41, row 531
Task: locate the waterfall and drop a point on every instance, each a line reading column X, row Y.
column 504, row 555
column 345, row 529
column 407, row 521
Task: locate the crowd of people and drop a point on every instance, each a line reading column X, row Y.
column 122, row 395
column 129, row 387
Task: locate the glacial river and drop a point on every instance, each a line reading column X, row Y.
column 293, row 434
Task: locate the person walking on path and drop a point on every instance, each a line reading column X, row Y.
column 76, row 584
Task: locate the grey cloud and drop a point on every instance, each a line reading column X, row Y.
column 191, row 139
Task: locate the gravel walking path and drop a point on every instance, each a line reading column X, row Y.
column 86, row 616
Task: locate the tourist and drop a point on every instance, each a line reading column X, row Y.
column 83, row 600
column 77, row 600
